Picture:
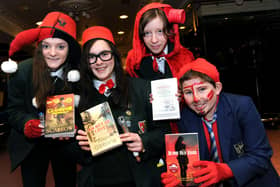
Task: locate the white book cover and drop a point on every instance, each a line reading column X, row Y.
column 165, row 103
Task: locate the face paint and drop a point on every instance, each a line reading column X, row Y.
column 210, row 95
column 193, row 91
column 192, row 86
column 200, row 96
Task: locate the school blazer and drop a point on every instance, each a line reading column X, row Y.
column 244, row 144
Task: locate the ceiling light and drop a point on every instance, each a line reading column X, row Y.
column 39, row 23
column 182, row 27
column 124, row 16
column 121, row 32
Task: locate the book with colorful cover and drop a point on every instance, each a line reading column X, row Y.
column 60, row 116
column 182, row 149
column 101, row 129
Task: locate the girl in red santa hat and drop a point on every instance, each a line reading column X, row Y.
column 49, row 72
column 134, row 164
column 156, row 50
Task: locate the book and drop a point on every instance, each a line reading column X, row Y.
column 101, row 129
column 60, row 116
column 165, row 103
column 182, row 149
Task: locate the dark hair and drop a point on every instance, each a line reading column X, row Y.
column 152, row 14
column 195, row 74
column 42, row 82
column 74, row 53
column 120, row 93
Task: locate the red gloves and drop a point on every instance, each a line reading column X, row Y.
column 33, row 129
column 211, row 172
column 169, row 180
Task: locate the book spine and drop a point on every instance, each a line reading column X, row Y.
column 42, row 118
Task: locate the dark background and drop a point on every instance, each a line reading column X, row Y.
column 242, row 44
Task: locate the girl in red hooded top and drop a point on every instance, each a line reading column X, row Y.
column 157, row 52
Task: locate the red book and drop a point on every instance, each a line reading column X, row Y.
column 182, row 149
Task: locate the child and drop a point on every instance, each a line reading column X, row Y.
column 134, row 164
column 45, row 74
column 233, row 146
column 157, row 52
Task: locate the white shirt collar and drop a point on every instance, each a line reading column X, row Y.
column 161, row 60
column 57, row 73
column 165, row 51
column 97, row 83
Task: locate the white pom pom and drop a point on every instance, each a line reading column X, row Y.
column 34, row 102
column 76, row 100
column 73, row 76
column 9, row 66
column 135, row 154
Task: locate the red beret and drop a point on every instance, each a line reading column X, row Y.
column 97, row 32
column 202, row 66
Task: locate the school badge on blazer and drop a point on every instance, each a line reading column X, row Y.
column 142, row 126
column 239, row 148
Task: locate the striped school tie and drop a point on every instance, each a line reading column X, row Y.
column 213, row 150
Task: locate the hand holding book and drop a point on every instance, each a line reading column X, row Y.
column 125, row 129
column 133, row 143
column 211, row 172
column 83, row 140
column 169, row 180
column 33, row 128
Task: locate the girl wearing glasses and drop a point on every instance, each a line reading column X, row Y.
column 103, row 79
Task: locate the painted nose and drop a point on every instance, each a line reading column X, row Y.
column 195, row 97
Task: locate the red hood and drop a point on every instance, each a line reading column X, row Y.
column 138, row 50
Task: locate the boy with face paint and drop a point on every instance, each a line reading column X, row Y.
column 242, row 149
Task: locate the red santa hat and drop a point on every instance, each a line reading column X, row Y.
column 203, row 66
column 54, row 25
column 97, row 32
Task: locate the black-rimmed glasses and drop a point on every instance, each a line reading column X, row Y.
column 103, row 55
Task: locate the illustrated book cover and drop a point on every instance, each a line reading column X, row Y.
column 101, row 129
column 60, row 116
column 182, row 149
column 165, row 102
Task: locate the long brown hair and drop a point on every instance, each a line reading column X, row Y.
column 152, row 14
column 42, row 82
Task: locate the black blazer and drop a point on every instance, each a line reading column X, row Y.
column 21, row 110
column 146, row 173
